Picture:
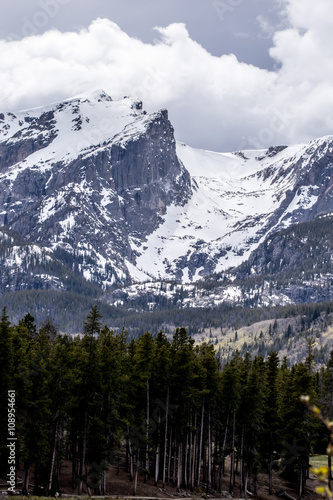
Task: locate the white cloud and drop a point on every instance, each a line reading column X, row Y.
column 214, row 102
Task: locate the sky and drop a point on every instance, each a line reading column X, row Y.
column 233, row 74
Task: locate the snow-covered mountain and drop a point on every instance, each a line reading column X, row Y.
column 89, row 179
column 237, row 200
column 102, row 187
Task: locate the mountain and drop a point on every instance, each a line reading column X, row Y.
column 88, row 179
column 97, row 196
column 238, row 200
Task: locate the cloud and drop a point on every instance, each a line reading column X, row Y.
column 214, row 102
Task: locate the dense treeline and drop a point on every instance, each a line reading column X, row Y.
column 68, row 310
column 164, row 408
column 25, row 266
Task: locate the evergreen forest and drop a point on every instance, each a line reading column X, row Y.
column 163, row 407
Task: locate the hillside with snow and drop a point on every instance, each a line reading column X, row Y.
column 99, row 191
column 237, row 200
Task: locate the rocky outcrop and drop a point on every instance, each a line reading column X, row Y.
column 99, row 202
column 34, row 134
column 148, row 175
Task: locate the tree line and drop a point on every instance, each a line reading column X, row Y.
column 165, row 409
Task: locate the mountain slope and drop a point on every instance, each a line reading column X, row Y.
column 294, row 264
column 102, row 187
column 216, row 229
column 238, row 199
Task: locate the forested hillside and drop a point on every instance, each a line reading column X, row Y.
column 163, row 408
column 295, row 263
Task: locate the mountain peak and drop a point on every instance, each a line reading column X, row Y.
column 99, row 95
column 94, row 95
column 89, row 176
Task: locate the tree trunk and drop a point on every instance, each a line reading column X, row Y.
column 186, row 463
column 169, row 457
column 300, row 486
column 136, row 472
column 194, row 457
column 270, row 474
column 60, row 453
column 224, row 444
column 74, row 464
column 329, row 465
column 241, row 479
column 201, row 440
column 165, row 437
column 245, row 484
column 103, row 482
column 204, row 460
column 157, row 458
column 83, row 454
column 179, row 467
column 25, row 485
column 52, row 458
column 219, row 487
column 147, row 436
column 232, row 464
column 130, row 452
column 190, row 457
column 174, row 466
column 209, row 471
column 215, row 454
column 255, row 482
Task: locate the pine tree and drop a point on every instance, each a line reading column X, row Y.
column 186, row 392
column 242, row 420
column 29, row 323
column 112, row 353
column 142, row 372
column 231, row 391
column 86, row 427
column 326, row 403
column 34, row 416
column 160, row 392
column 270, row 436
column 92, row 326
column 254, row 397
column 297, row 425
column 6, row 384
column 210, row 384
column 61, row 388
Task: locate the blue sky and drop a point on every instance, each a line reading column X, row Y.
column 233, row 74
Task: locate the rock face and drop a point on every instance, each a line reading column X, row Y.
column 148, row 176
column 99, row 188
column 86, row 200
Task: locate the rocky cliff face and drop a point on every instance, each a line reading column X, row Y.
column 88, row 177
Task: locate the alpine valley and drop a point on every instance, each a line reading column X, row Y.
column 99, row 202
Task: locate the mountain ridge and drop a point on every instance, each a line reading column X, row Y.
column 102, row 190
